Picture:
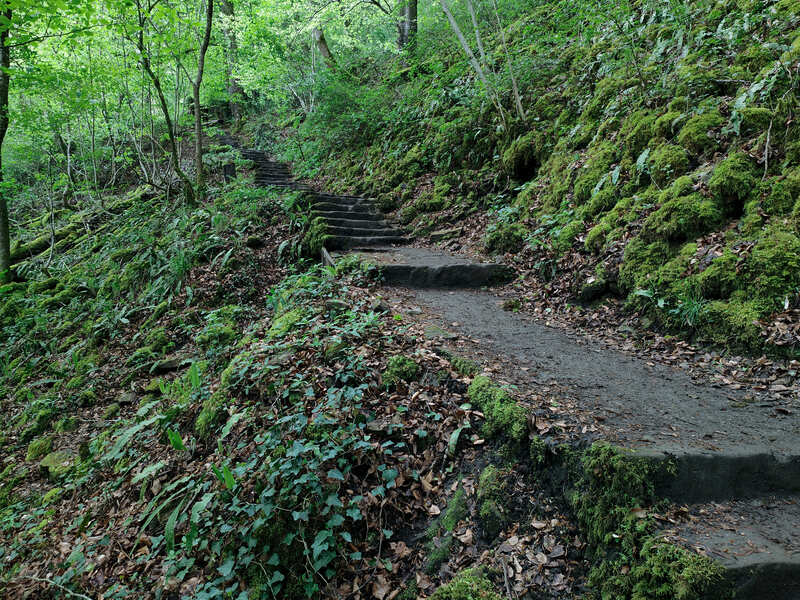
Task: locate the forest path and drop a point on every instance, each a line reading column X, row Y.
column 737, row 461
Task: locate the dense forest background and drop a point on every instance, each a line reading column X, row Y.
column 644, row 154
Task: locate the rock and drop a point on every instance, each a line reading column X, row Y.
column 111, row 411
column 336, row 306
column 433, row 332
column 254, row 242
column 56, row 464
column 378, row 306
column 443, row 234
column 126, row 398
column 171, row 363
column 593, row 289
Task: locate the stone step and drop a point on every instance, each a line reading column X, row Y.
column 344, row 242
column 347, row 214
column 422, row 268
column 694, row 476
column 376, row 223
column 361, row 232
column 756, row 541
column 343, row 199
column 330, row 206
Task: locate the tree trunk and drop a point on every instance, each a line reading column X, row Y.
column 322, row 47
column 234, row 89
column 5, row 62
column 198, row 121
column 407, row 28
column 145, row 60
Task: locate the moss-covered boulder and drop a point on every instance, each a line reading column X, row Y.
column 493, row 486
column 39, row 448
column 667, row 162
column 732, row 181
column 504, row 417
column 682, row 218
column 56, row 464
column 697, row 135
column 505, row 237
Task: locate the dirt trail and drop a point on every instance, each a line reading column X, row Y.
column 641, row 404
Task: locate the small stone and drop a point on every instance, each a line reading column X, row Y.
column 56, row 464
column 126, row 398
column 443, row 234
column 254, row 242
column 336, row 306
column 111, row 411
column 171, row 363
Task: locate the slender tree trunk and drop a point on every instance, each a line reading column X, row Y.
column 198, row 121
column 145, row 60
column 478, row 39
column 407, row 28
column 234, row 89
column 5, row 80
column 322, row 47
column 514, row 86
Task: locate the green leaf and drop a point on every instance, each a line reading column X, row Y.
column 175, row 440
column 169, row 532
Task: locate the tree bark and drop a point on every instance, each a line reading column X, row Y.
column 322, row 47
column 145, row 60
column 234, row 89
column 407, row 28
column 5, row 79
column 198, row 121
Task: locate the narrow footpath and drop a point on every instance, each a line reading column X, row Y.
column 738, row 462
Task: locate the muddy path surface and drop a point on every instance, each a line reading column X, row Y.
column 636, row 402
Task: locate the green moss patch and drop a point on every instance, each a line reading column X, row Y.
column 504, row 417
column 400, row 368
column 470, row 584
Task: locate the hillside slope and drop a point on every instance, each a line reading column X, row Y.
column 659, row 160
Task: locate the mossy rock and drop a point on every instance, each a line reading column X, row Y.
column 400, row 368
column 668, row 124
column 211, row 414
column 503, row 416
column 638, row 130
column 470, row 584
column 456, row 510
column 783, row 193
column 506, row 237
column 284, row 323
column 565, row 237
column 439, row 553
column 66, row 424
column 696, row 135
column 56, row 464
column 600, row 160
column 732, row 324
column 39, row 448
column 721, row 278
column 682, row 218
column 667, row 162
column 754, row 119
column 732, row 181
column 111, row 411
column 641, row 262
column 773, row 267
column 522, row 159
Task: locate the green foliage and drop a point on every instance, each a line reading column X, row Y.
column 504, row 237
column 732, row 182
column 504, row 417
column 399, row 368
column 697, row 134
column 39, row 447
column 667, row 161
column 493, row 485
column 470, row 584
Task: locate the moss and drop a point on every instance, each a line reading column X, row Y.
column 600, row 160
column 773, row 267
column 596, row 238
column 732, row 182
column 563, row 240
column 721, row 278
column 66, row 424
column 52, row 496
column 600, row 202
column 282, row 324
column 408, row 213
column 157, row 340
column 732, row 324
column 506, row 237
column 504, row 417
column 456, row 510
column 524, row 156
column 39, row 447
column 637, row 130
column 537, row 451
column 682, row 218
column 754, row 119
column 640, row 262
column 668, row 124
column 467, row 585
column 696, row 136
column 56, row 464
column 783, row 193
column 464, row 366
column 111, row 411
column 667, row 162
column 211, row 414
column 316, row 237
column 75, row 383
column 399, row 368
column 439, row 553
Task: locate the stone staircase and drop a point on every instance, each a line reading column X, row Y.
column 356, row 224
